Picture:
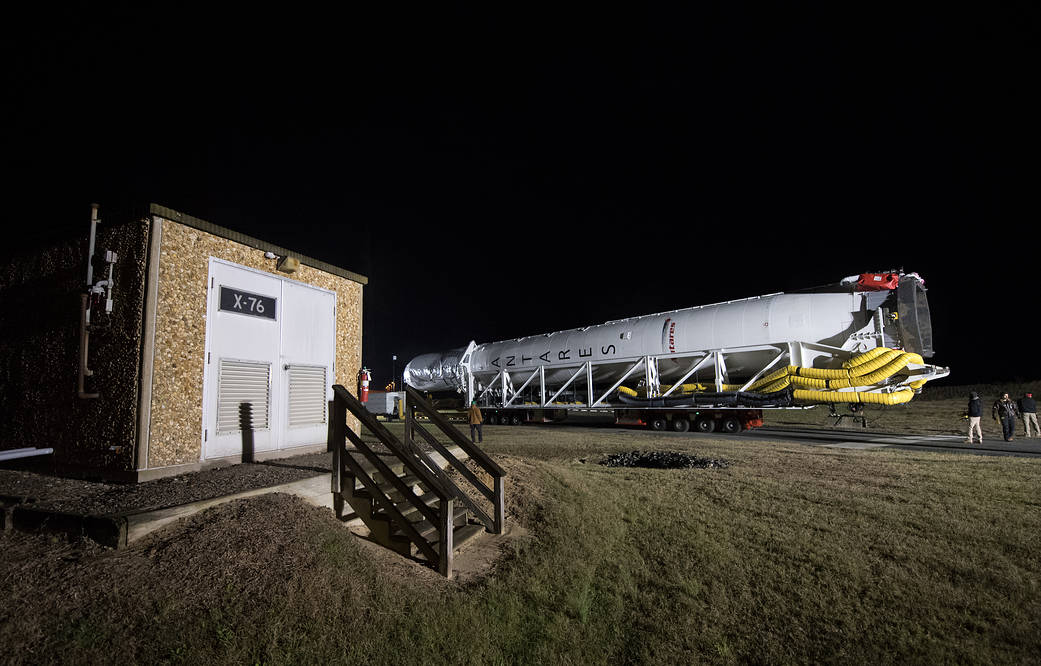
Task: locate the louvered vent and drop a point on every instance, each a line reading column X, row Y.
column 243, row 382
column 307, row 404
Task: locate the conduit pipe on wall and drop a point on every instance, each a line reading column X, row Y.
column 84, row 347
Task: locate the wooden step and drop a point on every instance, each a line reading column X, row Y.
column 398, row 469
column 427, row 531
column 410, row 512
column 397, row 466
column 463, row 535
column 391, row 491
column 425, row 528
column 381, row 524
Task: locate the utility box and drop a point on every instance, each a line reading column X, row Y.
column 211, row 354
column 386, row 403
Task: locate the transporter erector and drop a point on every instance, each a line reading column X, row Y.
column 863, row 340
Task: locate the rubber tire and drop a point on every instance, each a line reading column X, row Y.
column 515, row 419
column 657, row 424
column 705, row 424
column 492, row 419
column 730, row 425
column 680, row 424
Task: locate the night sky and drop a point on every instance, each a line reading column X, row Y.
column 511, row 171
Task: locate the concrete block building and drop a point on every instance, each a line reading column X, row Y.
column 216, row 347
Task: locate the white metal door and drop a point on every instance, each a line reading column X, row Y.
column 242, row 362
column 308, row 353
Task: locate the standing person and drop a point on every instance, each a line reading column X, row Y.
column 475, row 422
column 974, row 413
column 1005, row 411
column 1028, row 408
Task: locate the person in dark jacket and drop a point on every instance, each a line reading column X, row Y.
column 974, row 413
column 1004, row 410
column 1028, row 408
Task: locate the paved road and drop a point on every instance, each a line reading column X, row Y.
column 850, row 439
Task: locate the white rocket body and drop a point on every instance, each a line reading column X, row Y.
column 849, row 321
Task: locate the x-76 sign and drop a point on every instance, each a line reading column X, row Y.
column 244, row 302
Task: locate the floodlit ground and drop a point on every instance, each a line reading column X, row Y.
column 789, row 554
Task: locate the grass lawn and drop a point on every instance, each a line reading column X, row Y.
column 790, row 554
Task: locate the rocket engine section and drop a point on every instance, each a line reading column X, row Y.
column 818, row 329
column 439, row 371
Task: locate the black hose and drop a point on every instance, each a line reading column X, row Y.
column 782, row 398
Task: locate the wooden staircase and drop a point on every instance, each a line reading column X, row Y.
column 407, row 500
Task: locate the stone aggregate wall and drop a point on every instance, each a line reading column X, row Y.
column 175, row 432
column 39, row 353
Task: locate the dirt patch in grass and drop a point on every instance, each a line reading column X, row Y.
column 661, row 460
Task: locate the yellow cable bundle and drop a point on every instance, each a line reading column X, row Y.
column 900, row 362
column 897, row 398
column 865, row 369
column 864, row 357
column 876, row 362
column 780, row 384
column 813, row 383
column 685, row 388
column 820, row 373
column 817, row 385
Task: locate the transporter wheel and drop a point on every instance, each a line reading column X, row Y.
column 515, row 419
column 492, row 419
column 705, row 424
column 680, row 424
column 657, row 423
column 731, row 425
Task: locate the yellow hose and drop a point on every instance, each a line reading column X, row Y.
column 864, row 357
column 816, row 397
column 882, row 364
column 686, row 388
column 817, row 385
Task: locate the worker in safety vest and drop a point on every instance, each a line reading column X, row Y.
column 475, row 421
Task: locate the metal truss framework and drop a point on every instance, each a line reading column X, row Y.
column 501, row 392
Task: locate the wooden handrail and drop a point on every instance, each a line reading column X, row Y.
column 481, row 514
column 418, row 462
column 436, row 417
column 442, row 519
column 416, row 402
column 387, row 473
column 455, row 462
column 405, row 454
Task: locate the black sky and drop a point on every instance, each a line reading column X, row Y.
column 499, row 172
